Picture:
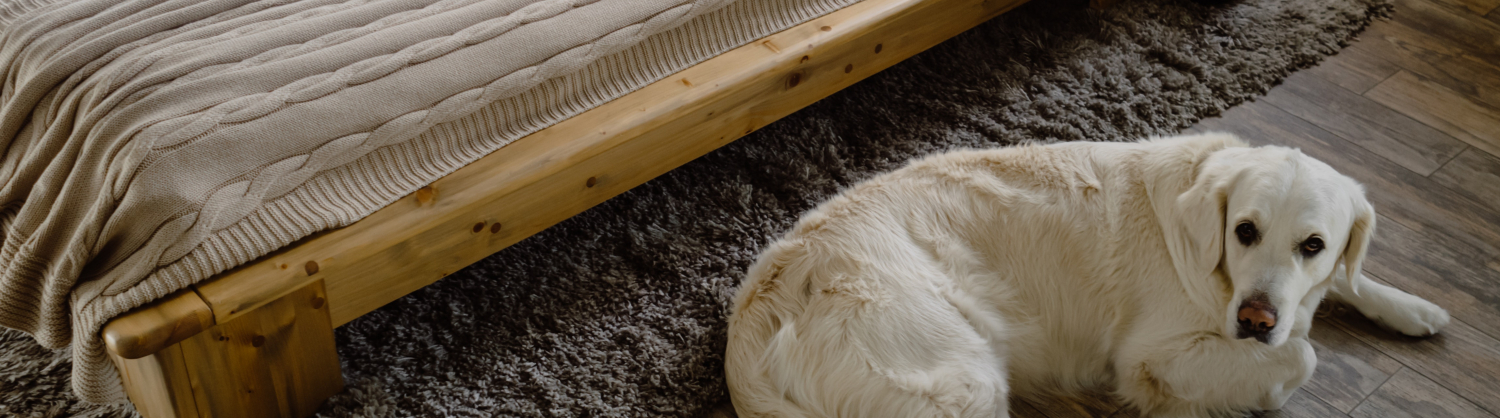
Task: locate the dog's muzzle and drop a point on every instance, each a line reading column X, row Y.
column 1257, row 318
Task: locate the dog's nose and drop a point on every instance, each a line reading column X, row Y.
column 1257, row 318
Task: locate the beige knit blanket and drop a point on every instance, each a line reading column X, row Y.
column 146, row 145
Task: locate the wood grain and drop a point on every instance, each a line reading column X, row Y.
column 1362, row 121
column 553, row 174
column 158, row 384
column 1441, row 61
column 1439, row 107
column 277, row 361
column 1474, row 173
column 1409, row 394
column 1354, row 68
column 161, row 323
column 1467, row 30
column 1460, row 358
column 1348, row 369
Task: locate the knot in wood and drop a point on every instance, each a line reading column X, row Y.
column 425, row 195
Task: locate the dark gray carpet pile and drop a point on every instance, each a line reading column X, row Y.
column 620, row 311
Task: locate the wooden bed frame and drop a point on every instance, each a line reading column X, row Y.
column 257, row 341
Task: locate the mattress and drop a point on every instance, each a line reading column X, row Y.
column 148, row 145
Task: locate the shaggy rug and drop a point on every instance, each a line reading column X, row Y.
column 620, row 311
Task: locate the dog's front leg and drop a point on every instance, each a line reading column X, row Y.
column 1389, row 306
column 1205, row 374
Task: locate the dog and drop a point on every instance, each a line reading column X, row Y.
column 1180, row 274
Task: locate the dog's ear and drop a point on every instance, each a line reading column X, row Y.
column 1195, row 238
column 1190, row 200
column 1359, row 242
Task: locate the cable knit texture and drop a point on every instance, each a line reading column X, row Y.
column 149, row 145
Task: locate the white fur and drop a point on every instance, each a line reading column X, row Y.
column 944, row 287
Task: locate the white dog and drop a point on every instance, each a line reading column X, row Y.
column 1181, row 274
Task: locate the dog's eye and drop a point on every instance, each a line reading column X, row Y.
column 1247, row 233
column 1311, row 247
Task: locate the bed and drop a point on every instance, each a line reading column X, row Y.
column 237, row 318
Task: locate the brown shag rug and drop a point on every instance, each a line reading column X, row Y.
column 620, row 311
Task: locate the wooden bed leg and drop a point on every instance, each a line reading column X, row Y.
column 275, row 361
column 149, row 381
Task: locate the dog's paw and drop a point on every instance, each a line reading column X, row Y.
column 1411, row 315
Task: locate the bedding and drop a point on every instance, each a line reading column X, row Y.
column 148, row 145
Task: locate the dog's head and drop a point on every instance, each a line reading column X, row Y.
column 1269, row 227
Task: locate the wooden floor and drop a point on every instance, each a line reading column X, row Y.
column 1412, row 110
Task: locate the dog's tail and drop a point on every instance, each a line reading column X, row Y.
column 770, row 390
column 762, row 337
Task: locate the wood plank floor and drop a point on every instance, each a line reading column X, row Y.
column 1412, row 110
